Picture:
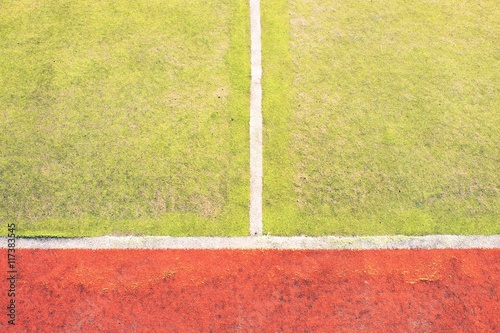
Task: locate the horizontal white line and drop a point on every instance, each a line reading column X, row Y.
column 261, row 242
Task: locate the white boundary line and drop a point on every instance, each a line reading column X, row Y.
column 256, row 171
column 262, row 242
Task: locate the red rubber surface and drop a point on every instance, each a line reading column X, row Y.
column 256, row 291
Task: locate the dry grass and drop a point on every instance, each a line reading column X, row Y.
column 393, row 119
column 124, row 112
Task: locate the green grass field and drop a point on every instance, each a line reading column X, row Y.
column 126, row 117
column 381, row 117
column 132, row 117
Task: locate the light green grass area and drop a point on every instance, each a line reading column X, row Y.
column 381, row 117
column 124, row 117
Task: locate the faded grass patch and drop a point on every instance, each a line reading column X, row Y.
column 121, row 112
column 394, row 118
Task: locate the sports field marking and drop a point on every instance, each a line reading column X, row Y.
column 255, row 121
column 263, row 242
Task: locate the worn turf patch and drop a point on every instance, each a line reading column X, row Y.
column 381, row 117
column 227, row 291
column 124, row 118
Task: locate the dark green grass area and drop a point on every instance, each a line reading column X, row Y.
column 125, row 117
column 382, row 117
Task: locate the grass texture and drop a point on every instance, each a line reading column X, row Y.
column 124, row 117
column 381, row 117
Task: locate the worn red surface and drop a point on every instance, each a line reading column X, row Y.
column 256, row 291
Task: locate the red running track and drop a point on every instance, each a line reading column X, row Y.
column 255, row 291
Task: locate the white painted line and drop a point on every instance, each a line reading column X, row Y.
column 255, row 121
column 262, row 242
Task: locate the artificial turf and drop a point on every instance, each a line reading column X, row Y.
column 131, row 118
column 124, row 117
column 381, row 117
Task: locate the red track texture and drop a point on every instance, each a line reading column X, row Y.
column 255, row 291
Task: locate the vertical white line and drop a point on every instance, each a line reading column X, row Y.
column 255, row 121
